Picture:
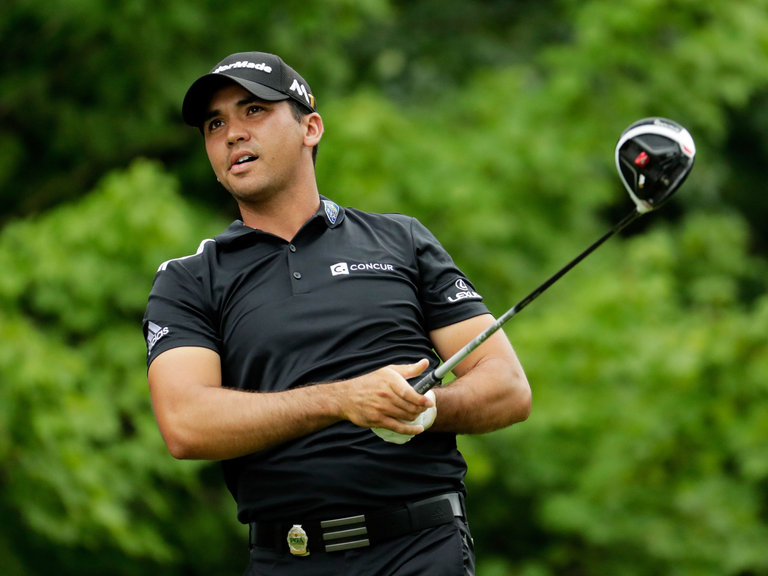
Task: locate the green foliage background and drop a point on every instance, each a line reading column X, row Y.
column 494, row 123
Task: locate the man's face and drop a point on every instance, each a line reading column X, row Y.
column 254, row 146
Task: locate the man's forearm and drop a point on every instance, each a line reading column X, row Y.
column 221, row 423
column 493, row 395
column 199, row 419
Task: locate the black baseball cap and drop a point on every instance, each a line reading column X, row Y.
column 264, row 75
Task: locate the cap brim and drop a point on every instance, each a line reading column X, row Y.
column 198, row 97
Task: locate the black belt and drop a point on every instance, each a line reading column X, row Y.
column 362, row 530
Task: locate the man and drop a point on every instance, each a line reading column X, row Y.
column 284, row 347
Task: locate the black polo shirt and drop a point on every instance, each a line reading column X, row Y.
column 352, row 292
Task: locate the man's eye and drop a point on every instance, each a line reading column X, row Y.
column 254, row 109
column 213, row 124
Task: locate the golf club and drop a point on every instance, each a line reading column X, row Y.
column 653, row 157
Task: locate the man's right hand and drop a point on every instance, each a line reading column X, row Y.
column 425, row 420
column 384, row 399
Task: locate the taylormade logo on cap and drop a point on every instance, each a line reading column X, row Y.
column 264, row 75
column 244, row 64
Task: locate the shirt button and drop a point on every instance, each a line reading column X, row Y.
column 292, row 248
column 297, row 275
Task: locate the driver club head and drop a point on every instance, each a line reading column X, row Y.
column 654, row 156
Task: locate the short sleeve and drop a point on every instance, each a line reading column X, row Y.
column 446, row 293
column 178, row 313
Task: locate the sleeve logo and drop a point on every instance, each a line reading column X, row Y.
column 465, row 292
column 154, row 334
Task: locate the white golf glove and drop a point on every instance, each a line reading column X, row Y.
column 426, row 419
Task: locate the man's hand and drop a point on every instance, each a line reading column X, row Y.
column 384, row 399
column 425, row 420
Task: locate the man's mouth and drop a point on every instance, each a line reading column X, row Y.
column 245, row 159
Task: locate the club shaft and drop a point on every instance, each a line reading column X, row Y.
column 434, row 378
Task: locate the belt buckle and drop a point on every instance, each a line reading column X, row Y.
column 351, row 528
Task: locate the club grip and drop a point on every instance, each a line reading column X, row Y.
column 426, row 382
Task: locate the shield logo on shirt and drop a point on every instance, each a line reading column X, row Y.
column 331, row 210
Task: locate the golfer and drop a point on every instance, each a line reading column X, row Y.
column 283, row 348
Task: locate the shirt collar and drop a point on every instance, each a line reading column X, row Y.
column 329, row 212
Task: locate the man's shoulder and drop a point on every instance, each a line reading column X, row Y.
column 379, row 218
column 207, row 249
column 190, row 259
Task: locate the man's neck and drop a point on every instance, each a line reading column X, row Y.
column 282, row 216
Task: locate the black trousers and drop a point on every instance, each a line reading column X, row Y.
column 444, row 550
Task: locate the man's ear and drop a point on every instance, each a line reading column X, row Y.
column 314, row 130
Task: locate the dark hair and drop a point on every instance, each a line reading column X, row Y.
column 299, row 112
